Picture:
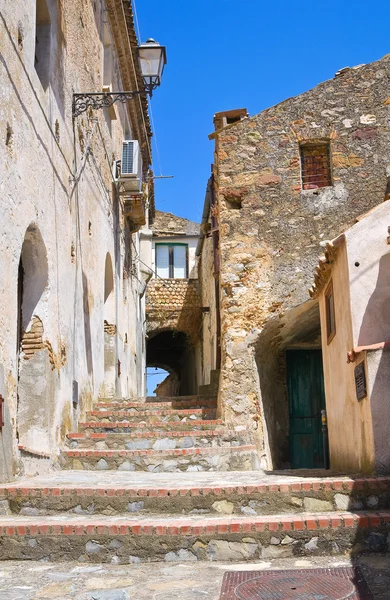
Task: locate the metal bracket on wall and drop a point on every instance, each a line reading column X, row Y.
column 1, row 412
column 97, row 100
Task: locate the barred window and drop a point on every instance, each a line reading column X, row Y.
column 315, row 165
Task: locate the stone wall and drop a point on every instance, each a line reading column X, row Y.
column 271, row 230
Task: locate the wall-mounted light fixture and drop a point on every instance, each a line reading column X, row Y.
column 152, row 60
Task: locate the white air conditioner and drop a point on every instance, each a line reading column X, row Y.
column 131, row 166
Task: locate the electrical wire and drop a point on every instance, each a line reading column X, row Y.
column 155, row 136
column 136, row 21
column 150, row 100
column 137, row 88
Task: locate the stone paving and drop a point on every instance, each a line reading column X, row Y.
column 161, row 581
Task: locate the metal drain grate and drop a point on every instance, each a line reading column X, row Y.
column 344, row 583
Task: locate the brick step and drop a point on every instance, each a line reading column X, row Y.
column 179, row 403
column 220, row 458
column 155, row 426
column 120, row 493
column 122, row 439
column 165, row 415
column 124, row 540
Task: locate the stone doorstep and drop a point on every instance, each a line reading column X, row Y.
column 153, row 424
column 116, row 539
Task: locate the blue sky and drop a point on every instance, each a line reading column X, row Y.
column 225, row 54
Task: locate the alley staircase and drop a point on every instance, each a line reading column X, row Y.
column 163, row 479
column 159, row 435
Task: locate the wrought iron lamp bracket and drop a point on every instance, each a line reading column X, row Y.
column 81, row 102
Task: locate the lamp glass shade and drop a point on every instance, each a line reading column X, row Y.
column 152, row 60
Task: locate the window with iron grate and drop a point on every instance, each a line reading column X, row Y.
column 315, row 165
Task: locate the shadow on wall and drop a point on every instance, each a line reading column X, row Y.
column 87, row 324
column 375, row 328
column 109, row 330
column 36, row 382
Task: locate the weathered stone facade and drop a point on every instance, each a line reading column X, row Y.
column 68, row 255
column 271, row 230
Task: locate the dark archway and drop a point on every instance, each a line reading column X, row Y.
column 172, row 351
column 299, row 330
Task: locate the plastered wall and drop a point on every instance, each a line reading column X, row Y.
column 56, row 179
column 349, row 421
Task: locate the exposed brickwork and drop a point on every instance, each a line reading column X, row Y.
column 196, row 527
column 109, row 329
column 174, row 304
column 33, row 341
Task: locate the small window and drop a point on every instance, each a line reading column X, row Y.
column 360, row 381
column 172, row 261
column 42, row 43
column 315, row 165
column 330, row 315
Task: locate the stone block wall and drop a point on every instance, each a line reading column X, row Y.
column 271, row 230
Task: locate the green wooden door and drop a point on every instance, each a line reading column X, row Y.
column 305, row 386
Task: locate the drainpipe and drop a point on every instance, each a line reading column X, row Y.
column 117, row 283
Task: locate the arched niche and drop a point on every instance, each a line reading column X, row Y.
column 110, row 367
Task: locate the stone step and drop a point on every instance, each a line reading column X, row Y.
column 152, row 415
column 190, row 493
column 155, row 426
column 124, row 439
column 176, row 403
column 126, row 540
column 219, row 458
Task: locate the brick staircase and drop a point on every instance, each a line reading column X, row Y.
column 158, row 435
column 165, row 480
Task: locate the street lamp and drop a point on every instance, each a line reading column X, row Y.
column 152, row 59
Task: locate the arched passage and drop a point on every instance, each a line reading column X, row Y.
column 109, row 330
column 35, row 375
column 171, row 350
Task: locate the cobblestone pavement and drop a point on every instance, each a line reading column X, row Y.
column 157, row 581
column 143, row 479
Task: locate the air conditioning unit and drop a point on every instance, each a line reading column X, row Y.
column 131, row 166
